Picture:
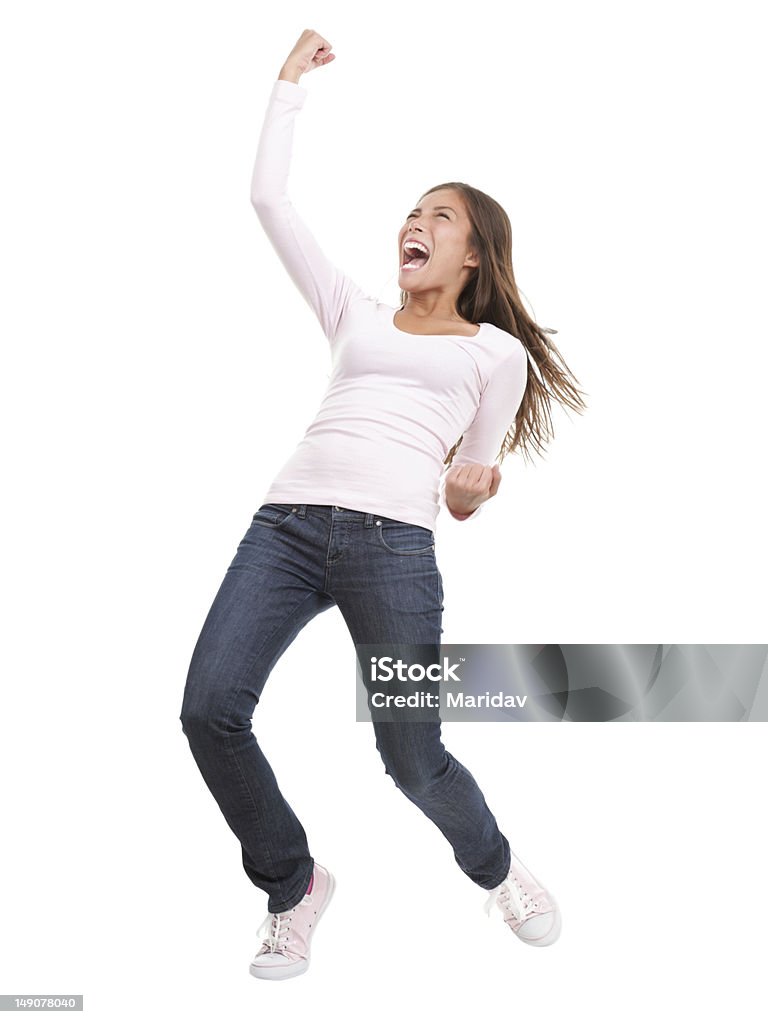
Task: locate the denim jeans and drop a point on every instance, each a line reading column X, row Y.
column 294, row 562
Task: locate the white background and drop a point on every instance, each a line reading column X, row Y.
column 159, row 367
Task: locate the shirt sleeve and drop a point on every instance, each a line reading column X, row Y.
column 499, row 404
column 326, row 288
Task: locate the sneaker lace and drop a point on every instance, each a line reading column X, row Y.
column 274, row 928
column 510, row 899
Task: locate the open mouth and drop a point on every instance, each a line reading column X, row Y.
column 416, row 255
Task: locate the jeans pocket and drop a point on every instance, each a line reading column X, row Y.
column 404, row 538
column 273, row 514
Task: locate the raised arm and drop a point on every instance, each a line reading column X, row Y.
column 500, row 400
column 326, row 288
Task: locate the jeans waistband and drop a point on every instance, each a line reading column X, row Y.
column 338, row 512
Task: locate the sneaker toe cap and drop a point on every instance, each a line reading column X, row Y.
column 538, row 927
column 271, row 960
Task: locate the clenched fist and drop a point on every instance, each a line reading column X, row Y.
column 311, row 51
column 468, row 486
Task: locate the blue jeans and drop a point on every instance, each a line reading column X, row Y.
column 294, row 562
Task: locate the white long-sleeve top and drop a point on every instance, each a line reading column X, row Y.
column 396, row 402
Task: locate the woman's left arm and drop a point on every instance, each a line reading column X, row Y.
column 464, row 490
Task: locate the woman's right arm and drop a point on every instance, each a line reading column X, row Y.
column 326, row 288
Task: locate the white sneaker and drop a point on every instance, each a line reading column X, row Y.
column 528, row 908
column 284, row 953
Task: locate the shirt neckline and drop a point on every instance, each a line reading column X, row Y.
column 412, row 335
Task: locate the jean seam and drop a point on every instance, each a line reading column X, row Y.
column 379, row 534
column 503, row 877
column 289, row 904
column 451, row 783
column 235, row 695
column 270, row 522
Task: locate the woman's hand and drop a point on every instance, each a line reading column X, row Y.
column 311, row 51
column 468, row 486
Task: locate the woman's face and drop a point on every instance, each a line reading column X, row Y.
column 441, row 224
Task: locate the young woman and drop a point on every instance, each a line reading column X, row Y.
column 349, row 521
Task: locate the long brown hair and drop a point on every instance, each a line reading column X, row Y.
column 491, row 296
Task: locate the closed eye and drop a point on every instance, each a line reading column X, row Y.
column 439, row 215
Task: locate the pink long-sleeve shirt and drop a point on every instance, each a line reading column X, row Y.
column 396, row 402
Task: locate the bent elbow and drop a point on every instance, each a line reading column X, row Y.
column 259, row 200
